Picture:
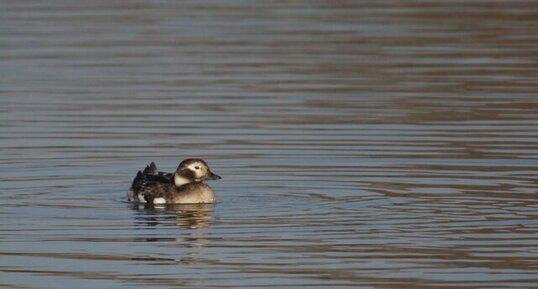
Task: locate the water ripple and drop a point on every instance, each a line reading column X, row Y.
column 369, row 144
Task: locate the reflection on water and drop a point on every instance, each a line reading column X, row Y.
column 366, row 144
column 195, row 216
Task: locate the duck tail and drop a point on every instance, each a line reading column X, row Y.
column 136, row 186
column 151, row 170
column 140, row 180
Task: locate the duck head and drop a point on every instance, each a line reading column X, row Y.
column 193, row 170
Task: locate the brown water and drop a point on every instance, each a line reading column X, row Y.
column 362, row 144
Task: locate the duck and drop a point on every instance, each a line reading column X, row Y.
column 184, row 186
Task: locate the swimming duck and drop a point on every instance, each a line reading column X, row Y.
column 185, row 186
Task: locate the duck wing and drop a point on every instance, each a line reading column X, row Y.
column 150, row 175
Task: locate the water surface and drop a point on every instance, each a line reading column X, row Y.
column 368, row 144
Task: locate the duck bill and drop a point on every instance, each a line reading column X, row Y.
column 213, row 176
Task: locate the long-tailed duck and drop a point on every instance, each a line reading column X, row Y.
column 185, row 186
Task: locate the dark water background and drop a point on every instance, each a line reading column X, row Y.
column 362, row 144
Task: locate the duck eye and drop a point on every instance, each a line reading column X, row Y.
column 197, row 167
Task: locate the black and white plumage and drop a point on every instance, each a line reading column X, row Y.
column 184, row 186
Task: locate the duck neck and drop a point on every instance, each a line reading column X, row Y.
column 180, row 180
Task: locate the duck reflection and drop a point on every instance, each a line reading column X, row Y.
column 196, row 216
column 183, row 225
column 191, row 216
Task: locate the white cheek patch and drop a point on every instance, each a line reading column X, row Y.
column 158, row 201
column 193, row 166
column 197, row 172
column 141, row 198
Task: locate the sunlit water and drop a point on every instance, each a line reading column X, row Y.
column 364, row 144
